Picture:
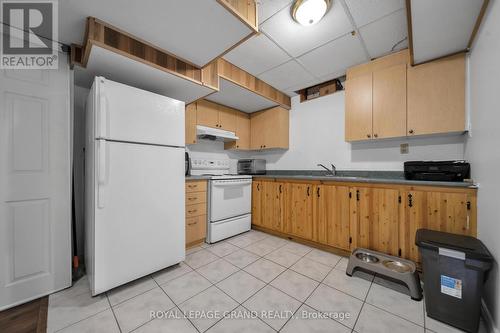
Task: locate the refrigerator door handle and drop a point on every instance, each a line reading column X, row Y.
column 103, row 116
column 101, row 173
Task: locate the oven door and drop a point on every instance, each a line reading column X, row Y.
column 230, row 198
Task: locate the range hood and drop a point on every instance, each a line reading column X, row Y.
column 214, row 134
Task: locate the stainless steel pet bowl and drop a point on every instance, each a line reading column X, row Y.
column 397, row 266
column 366, row 257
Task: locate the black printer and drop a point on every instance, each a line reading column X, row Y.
column 447, row 171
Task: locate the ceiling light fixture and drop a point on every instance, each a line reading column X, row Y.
column 309, row 12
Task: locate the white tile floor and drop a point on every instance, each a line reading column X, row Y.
column 250, row 272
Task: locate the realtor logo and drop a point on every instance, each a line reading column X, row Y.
column 29, row 34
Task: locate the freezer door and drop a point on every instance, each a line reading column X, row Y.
column 139, row 211
column 124, row 113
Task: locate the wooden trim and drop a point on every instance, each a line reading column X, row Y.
column 210, row 75
column 76, row 54
column 247, row 20
column 106, row 36
column 478, row 22
column 195, row 243
column 410, row 30
column 296, row 239
column 247, row 81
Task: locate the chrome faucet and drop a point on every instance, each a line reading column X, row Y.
column 333, row 171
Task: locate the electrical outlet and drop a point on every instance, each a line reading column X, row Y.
column 404, row 148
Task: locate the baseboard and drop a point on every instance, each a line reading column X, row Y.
column 488, row 319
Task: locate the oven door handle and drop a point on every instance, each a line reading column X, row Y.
column 227, row 184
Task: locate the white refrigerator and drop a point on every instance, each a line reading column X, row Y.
column 134, row 184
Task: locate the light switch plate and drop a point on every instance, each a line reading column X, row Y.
column 404, row 148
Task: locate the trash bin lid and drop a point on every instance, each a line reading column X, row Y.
column 472, row 247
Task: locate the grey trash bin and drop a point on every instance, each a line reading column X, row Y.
column 454, row 269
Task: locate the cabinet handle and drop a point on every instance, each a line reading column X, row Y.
column 375, row 135
column 280, row 188
column 258, row 187
column 237, row 146
column 308, row 191
column 264, row 146
column 192, row 186
column 192, row 211
column 357, row 195
column 368, row 136
column 193, row 223
column 191, row 199
column 317, row 192
column 410, row 200
column 411, row 131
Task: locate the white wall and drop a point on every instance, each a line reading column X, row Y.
column 317, row 136
column 482, row 148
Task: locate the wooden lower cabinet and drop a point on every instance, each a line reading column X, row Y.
column 375, row 219
column 381, row 217
column 299, row 206
column 453, row 212
column 196, row 212
column 331, row 215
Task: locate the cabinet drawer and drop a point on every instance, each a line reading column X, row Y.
column 196, row 198
column 196, row 210
column 196, row 186
column 196, row 228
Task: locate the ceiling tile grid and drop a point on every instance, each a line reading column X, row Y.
column 290, row 57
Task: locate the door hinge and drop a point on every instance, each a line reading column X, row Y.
column 468, row 205
column 399, row 252
column 357, row 195
column 399, row 199
column 350, row 240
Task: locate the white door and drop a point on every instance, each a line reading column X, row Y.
column 139, row 211
column 35, row 161
column 125, row 113
column 230, row 198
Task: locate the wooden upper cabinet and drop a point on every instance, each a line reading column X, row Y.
column 190, row 121
column 207, row 114
column 331, row 215
column 215, row 115
column 389, row 102
column 358, row 108
column 269, row 129
column 242, row 132
column 436, row 96
column 227, row 118
column 299, row 206
column 376, row 219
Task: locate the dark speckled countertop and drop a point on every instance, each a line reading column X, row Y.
column 382, row 177
column 351, row 176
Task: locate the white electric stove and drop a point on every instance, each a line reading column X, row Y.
column 229, row 199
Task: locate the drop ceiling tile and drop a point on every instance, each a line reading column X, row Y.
column 380, row 36
column 257, row 55
column 287, row 75
column 297, row 39
column 268, row 8
column 367, row 11
column 334, row 57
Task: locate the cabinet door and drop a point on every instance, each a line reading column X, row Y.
column 257, row 203
column 242, row 132
column 207, row 114
column 378, row 219
column 227, row 118
column 436, row 96
column 276, row 128
column 389, row 102
column 190, row 123
column 452, row 212
column 300, row 210
column 257, row 130
column 358, row 108
column 331, row 216
column 273, row 205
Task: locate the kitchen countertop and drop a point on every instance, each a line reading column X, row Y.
column 381, row 177
column 378, row 177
